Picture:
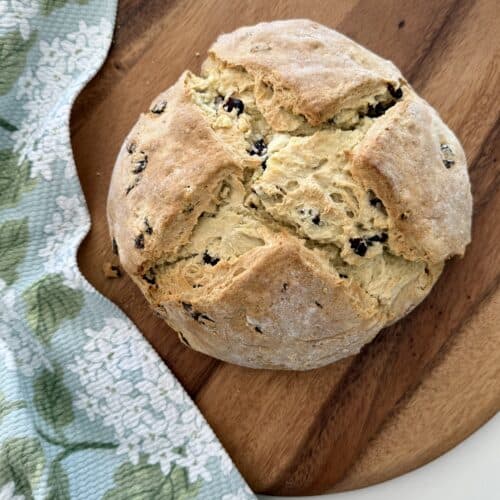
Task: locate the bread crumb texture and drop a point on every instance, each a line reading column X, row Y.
column 287, row 204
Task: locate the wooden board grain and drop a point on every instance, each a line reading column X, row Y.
column 425, row 383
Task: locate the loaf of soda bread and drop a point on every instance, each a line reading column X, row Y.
column 282, row 208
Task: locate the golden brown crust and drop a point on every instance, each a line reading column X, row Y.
column 249, row 321
column 313, row 71
column 291, row 249
column 402, row 161
column 170, row 193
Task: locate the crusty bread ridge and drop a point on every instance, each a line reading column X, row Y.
column 287, row 204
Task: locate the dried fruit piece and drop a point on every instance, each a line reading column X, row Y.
column 196, row 315
column 139, row 241
column 376, row 202
column 379, row 109
column 148, row 229
column 150, row 276
column 159, row 107
column 208, row 259
column 380, row 238
column 233, row 103
column 448, row 156
column 396, row 93
column 259, row 148
column 359, row 246
column 140, row 165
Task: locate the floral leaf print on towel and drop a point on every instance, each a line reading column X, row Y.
column 52, row 399
column 53, row 403
column 43, row 136
column 7, row 407
column 14, row 178
column 144, row 414
column 16, row 14
column 150, row 416
column 13, row 50
column 62, row 235
column 21, row 463
column 58, row 483
column 147, row 482
column 18, row 349
column 47, row 6
column 200, row 447
column 7, row 492
column 7, row 126
column 13, row 242
column 48, row 303
column 58, row 479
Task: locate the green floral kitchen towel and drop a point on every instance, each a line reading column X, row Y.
column 87, row 409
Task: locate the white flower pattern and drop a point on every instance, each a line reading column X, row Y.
column 153, row 416
column 69, row 223
column 16, row 14
column 20, row 351
column 7, row 356
column 7, row 492
column 43, row 137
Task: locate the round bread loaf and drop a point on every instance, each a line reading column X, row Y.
column 280, row 209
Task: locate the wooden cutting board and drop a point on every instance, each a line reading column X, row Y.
column 425, row 383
